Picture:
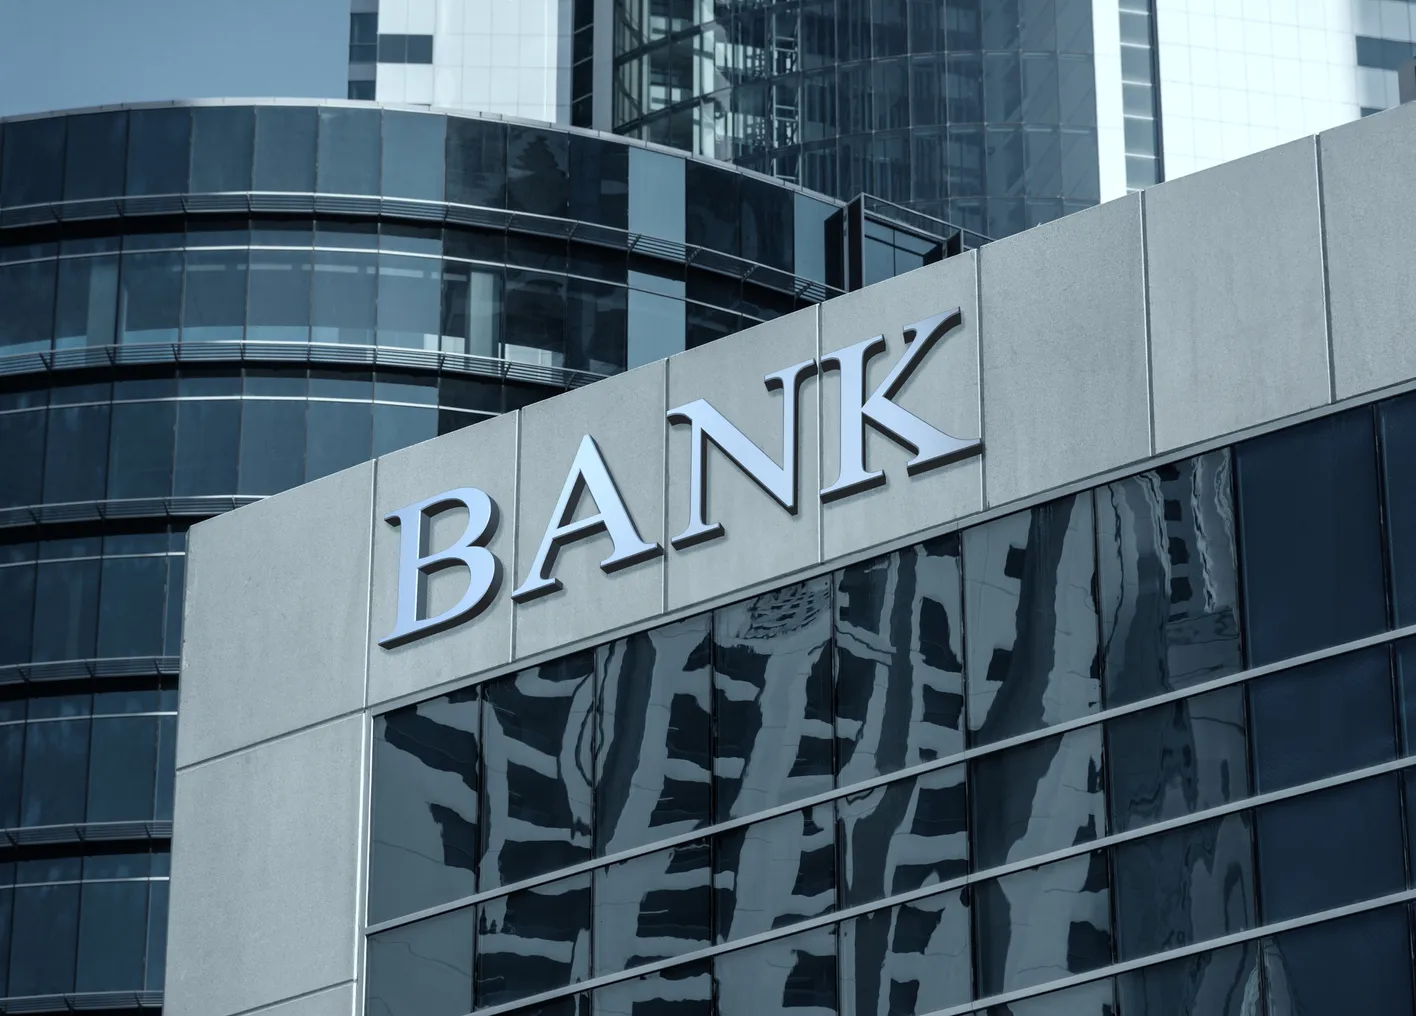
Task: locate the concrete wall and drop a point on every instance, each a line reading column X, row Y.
column 1200, row 310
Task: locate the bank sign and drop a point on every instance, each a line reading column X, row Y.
column 589, row 476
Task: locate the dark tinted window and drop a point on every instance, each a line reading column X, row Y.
column 1361, row 964
column 410, row 298
column 278, row 301
column 208, row 435
column 272, row 446
column 423, row 969
column 86, row 308
column 413, row 153
column 150, row 297
column 1311, row 531
column 1224, row 982
column 131, row 606
column 535, row 318
column 595, row 330
column 23, row 435
column 1398, row 427
column 344, row 296
column 214, row 298
column 599, row 181
column 767, row 230
column 32, row 163
column 95, row 156
column 538, row 171
column 338, row 435
column 349, row 151
column 655, row 327
column 159, row 141
column 712, row 219
column 476, row 162
column 656, row 195
column 26, row 307
column 17, row 602
column 56, row 769
column 44, row 940
column 285, row 149
column 76, row 456
column 223, row 148
column 929, row 812
column 112, row 930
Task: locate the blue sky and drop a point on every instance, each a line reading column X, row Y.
column 59, row 54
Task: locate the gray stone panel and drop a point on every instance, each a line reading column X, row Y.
column 1238, row 328
column 482, row 456
column 625, row 416
column 943, row 391
column 761, row 539
column 1064, row 354
column 265, row 873
column 277, row 606
column 1369, row 199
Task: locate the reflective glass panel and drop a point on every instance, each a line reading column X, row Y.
column 1094, row 998
column 76, row 455
column 338, row 435
column 32, row 163
column 790, row 976
column 656, row 195
column 130, row 606
column 912, row 958
column 285, row 149
column 599, row 181
column 348, row 158
column 422, row 969
column 95, row 156
column 413, row 152
column 208, row 442
column 410, row 294
column 533, row 941
column 113, row 920
column 26, row 307
column 343, row 297
column 44, row 940
column 214, row 300
column 223, row 148
column 150, row 297
column 595, row 328
column 774, row 873
column 159, row 143
column 1397, row 419
column 398, row 427
column 653, row 907
column 1224, row 982
column 86, row 310
column 535, row 318
column 538, row 171
column 476, row 162
column 278, row 302
column 903, row 836
column 272, row 446
column 679, row 991
column 56, row 771
column 471, row 310
column 1361, row 964
column 655, row 328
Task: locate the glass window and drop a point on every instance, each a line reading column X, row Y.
column 1095, row 998
column 784, row 977
column 131, row 606
column 410, row 296
column 44, row 940
column 398, row 427
column 338, row 435
column 122, row 765
column 56, row 770
column 278, row 302
column 537, row 758
column 87, row 307
column 911, row 958
column 816, row 240
column 1224, row 982
column 32, row 163
column 767, row 230
column 1044, row 924
column 214, row 301
column 538, row 171
column 285, row 149
column 471, row 310
column 1322, row 719
column 595, row 330
column 656, row 195
column 208, row 441
column 599, row 181
column 156, row 936
column 167, row 725
column 424, row 844
column 535, row 318
column 422, row 969
column 774, row 873
column 349, row 151
column 1313, row 486
column 1032, row 628
column 655, row 328
column 150, row 298
column 1361, row 964
column 653, row 907
column 1168, row 578
column 26, row 307
column 17, row 604
column 76, row 457
column 711, row 218
column 653, row 769
column 22, row 434
column 533, row 941
column 1398, row 428
column 1177, row 759
column 705, row 324
column 1038, row 797
column 272, row 446
column 899, row 660
column 902, row 836
column 413, row 153
column 111, row 933
column 95, row 156
column 223, row 148
column 343, row 300
column 1352, row 834
column 476, row 162
column 158, row 150
column 772, row 699
column 685, row 990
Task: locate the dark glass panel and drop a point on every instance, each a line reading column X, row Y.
column 282, row 231
column 1032, row 619
column 1351, row 834
column 533, row 941
column 410, row 302
column 1095, row 998
column 1224, row 982
column 130, row 606
column 167, row 725
column 423, row 848
column 65, row 610
column 774, row 873
column 656, row 195
column 535, row 318
column 411, row 239
column 348, row 160
column 76, row 455
column 772, row 699
column 704, row 324
column 95, row 156
column 902, row 836
column 599, row 181
column 476, row 162
column 150, row 297
column 471, row 310
column 340, row 384
column 1168, row 578
column 414, row 148
column 1185, row 886
column 899, row 665
column 1043, row 924
column 208, row 442
column 223, row 148
column 338, row 435
column 209, row 382
column 7, row 908
column 26, row 307
column 1313, row 486
column 537, row 758
column 214, row 301
column 1398, row 429
column 285, row 149
column 86, row 311
column 537, row 171
column 1038, row 797
column 278, row 303
column 1177, row 759
column 595, row 329
column 398, row 427
column 111, row 933
column 422, row 969
column 475, row 244
column 654, row 329
column 56, row 772
column 653, row 907
column 789, row 976
column 545, row 253
column 713, row 207
column 1322, row 719
column 22, row 435
column 17, row 605
column 156, row 936
column 767, row 229
column 32, row 163
column 679, row 991
column 1361, row 964
column 346, row 234
column 653, row 769
column 343, row 297
column 44, row 940
column 159, row 143
column 908, row 959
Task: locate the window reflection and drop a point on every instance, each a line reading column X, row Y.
column 795, row 976
column 775, row 873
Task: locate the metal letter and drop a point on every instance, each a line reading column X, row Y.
column 588, row 473
column 484, row 571
column 932, row 447
column 710, row 425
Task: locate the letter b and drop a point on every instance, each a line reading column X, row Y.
column 484, row 571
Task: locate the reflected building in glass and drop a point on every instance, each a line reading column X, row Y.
column 202, row 305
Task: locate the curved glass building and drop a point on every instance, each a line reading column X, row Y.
column 204, row 304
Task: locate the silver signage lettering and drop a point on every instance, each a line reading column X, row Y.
column 414, row 567
column 931, row 446
column 710, row 425
column 588, row 474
